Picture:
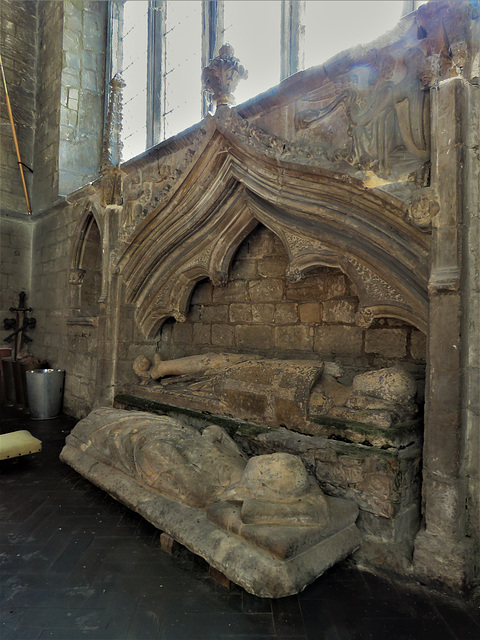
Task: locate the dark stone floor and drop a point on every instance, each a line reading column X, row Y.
column 76, row 564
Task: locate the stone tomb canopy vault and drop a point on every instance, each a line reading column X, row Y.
column 322, row 218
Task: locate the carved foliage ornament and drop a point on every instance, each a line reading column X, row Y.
column 377, row 289
column 76, row 276
column 264, row 143
column 299, row 245
column 364, row 317
column 112, row 144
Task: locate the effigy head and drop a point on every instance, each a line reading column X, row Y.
column 278, row 476
column 276, row 489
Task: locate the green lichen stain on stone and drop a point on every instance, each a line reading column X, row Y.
column 232, row 426
column 340, row 423
column 351, row 430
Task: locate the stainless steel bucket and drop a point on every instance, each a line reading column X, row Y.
column 45, row 393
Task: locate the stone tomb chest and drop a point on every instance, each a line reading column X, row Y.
column 360, row 441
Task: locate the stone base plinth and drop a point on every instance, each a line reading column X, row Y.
column 447, row 562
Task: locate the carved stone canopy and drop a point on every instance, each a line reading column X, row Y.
column 321, row 219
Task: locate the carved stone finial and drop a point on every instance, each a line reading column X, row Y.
column 112, row 143
column 222, row 76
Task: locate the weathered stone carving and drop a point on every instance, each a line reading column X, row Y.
column 305, row 252
column 264, row 523
column 377, row 289
column 111, row 184
column 112, row 143
column 172, row 458
column 250, row 387
column 224, row 200
column 112, row 187
column 222, row 76
column 76, row 276
column 146, row 189
column 383, row 398
column 423, row 207
column 293, row 393
column 388, row 119
column 364, row 317
column 208, row 364
column 293, row 275
column 246, row 133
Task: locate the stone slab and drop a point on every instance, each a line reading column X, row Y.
column 257, row 571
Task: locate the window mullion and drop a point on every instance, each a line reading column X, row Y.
column 156, row 29
column 114, row 49
column 212, row 40
column 292, row 37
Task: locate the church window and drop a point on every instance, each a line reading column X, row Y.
column 161, row 46
column 134, row 72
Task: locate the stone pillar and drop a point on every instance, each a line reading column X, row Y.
column 443, row 549
column 109, row 317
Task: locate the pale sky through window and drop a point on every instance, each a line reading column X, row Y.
column 252, row 27
column 333, row 26
column 253, row 30
column 183, row 75
column 135, row 38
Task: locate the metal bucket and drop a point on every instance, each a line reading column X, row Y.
column 45, row 393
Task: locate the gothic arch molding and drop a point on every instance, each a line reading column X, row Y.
column 322, row 219
column 85, row 277
column 90, row 215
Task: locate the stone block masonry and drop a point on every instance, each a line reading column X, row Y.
column 16, row 257
column 259, row 311
column 18, row 46
column 45, row 177
column 81, row 104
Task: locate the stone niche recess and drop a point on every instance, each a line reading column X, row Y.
column 260, row 312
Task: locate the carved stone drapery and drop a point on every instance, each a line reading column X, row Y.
column 382, row 108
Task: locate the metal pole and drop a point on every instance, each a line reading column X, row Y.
column 12, row 124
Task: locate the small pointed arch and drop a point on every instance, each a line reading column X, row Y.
column 86, row 266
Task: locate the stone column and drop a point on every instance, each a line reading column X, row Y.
column 109, row 317
column 443, row 549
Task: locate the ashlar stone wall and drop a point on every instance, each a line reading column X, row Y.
column 260, row 311
column 63, row 345
column 45, row 176
column 18, row 44
column 16, row 256
column 82, row 93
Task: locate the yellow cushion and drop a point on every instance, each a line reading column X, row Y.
column 18, row 443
